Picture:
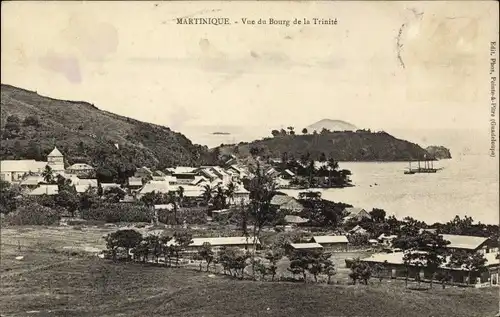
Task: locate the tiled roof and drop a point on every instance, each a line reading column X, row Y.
column 463, row 242
column 221, row 241
column 280, row 199
column 22, row 166
column 55, row 152
column 310, row 245
column 80, row 166
column 330, row 239
column 134, row 181
column 295, row 219
column 155, row 186
column 44, row 190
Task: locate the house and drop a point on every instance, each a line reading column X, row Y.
column 332, row 243
column 200, row 181
column 241, row 195
column 45, row 190
column 184, row 174
column 134, row 183
column 311, row 246
column 143, row 172
column 354, row 213
column 159, row 173
column 394, row 264
column 108, row 186
column 80, row 169
column 243, row 243
column 286, row 203
column 358, row 230
column 287, row 174
column 13, row 171
column 291, row 219
column 242, row 172
column 31, row 182
column 168, row 207
column 386, row 239
column 153, row 186
column 272, row 172
column 482, row 245
column 225, row 177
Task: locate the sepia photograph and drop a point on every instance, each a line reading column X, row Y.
column 249, row 158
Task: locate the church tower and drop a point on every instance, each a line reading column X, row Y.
column 55, row 159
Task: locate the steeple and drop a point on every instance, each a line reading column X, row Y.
column 55, row 153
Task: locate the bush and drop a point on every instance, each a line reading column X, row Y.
column 195, row 216
column 33, row 214
column 119, row 213
column 31, row 121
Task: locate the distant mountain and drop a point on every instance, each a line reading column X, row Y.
column 332, row 125
column 32, row 124
column 439, row 152
column 361, row 145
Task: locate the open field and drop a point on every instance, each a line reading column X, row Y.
column 51, row 282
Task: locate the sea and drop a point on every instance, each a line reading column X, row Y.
column 468, row 184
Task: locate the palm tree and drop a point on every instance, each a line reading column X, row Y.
column 172, row 199
column 220, row 198
column 208, row 193
column 48, row 175
column 180, row 194
column 332, row 166
column 231, row 188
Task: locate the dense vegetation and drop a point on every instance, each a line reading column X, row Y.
column 439, row 152
column 32, row 124
column 361, row 145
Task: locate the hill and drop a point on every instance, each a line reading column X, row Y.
column 439, row 152
column 332, row 125
column 342, row 146
column 32, row 124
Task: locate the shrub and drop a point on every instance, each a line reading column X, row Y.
column 31, row 121
column 119, row 213
column 33, row 214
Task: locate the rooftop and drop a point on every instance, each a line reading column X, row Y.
column 21, row 166
column 55, row 152
column 45, row 190
column 221, row 241
column 330, row 239
column 464, row 242
column 310, row 245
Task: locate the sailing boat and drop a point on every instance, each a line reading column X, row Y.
column 428, row 167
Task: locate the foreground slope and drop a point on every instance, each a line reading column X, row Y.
column 86, row 134
column 93, row 287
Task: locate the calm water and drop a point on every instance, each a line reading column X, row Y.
column 468, row 185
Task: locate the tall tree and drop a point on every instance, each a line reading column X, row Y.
column 304, row 131
column 48, row 175
column 471, row 261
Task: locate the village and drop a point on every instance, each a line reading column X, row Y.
column 226, row 216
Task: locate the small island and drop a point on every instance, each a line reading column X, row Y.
column 438, row 152
column 221, row 133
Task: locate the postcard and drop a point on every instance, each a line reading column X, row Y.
column 250, row 158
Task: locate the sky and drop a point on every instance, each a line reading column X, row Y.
column 385, row 65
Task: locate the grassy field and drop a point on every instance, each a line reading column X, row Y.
column 51, row 282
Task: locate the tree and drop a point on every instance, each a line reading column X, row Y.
column 360, row 271
column 68, row 200
column 180, row 194
column 470, row 261
column 172, row 198
column 275, row 133
column 262, row 189
column 299, row 263
column 378, row 215
column 273, row 257
column 127, row 239
column 12, row 125
column 329, row 269
column 166, row 249
column 231, row 188
column 332, row 165
column 206, row 253
column 8, row 194
column 207, row 193
column 220, row 198
column 322, row 157
column 48, row 175
column 182, row 241
column 304, row 131
column 114, row 194
column 261, row 268
column 291, row 130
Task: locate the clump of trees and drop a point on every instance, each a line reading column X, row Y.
column 315, row 263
